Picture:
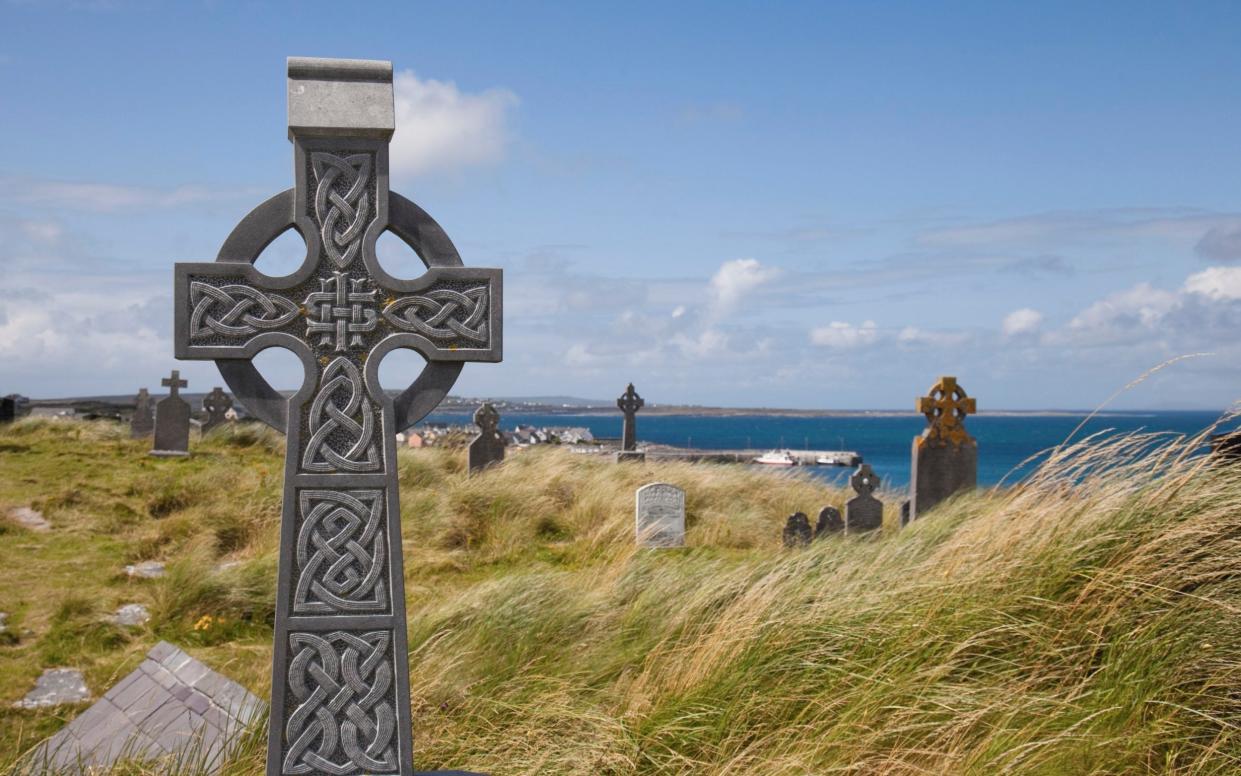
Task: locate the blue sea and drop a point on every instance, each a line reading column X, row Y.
column 1004, row 441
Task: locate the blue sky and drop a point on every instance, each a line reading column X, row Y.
column 803, row 205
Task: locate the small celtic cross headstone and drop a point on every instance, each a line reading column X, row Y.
column 340, row 673
column 797, row 530
column 945, row 456
column 488, row 447
column 629, row 403
column 216, row 404
column 143, row 422
column 172, row 420
column 863, row 512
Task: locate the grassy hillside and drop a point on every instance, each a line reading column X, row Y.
column 1057, row 628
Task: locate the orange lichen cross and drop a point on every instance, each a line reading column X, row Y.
column 945, row 407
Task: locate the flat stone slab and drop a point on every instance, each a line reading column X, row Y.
column 170, row 706
column 30, row 519
column 131, row 615
column 147, row 569
column 56, row 687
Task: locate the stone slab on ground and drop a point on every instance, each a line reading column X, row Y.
column 131, row 615
column 170, row 706
column 147, row 569
column 56, row 687
column 30, row 519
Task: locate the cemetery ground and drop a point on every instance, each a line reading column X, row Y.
column 1083, row 623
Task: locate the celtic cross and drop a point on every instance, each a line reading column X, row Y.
column 216, row 404
column 946, row 407
column 340, row 675
column 629, row 403
column 864, row 481
column 486, row 418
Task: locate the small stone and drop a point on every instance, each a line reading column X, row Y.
column 147, row 569
column 131, row 615
column 56, row 687
column 30, row 519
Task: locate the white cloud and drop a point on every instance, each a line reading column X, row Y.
column 1216, row 283
column 839, row 334
column 1023, row 321
column 1141, row 306
column 735, row 279
column 912, row 335
column 439, row 127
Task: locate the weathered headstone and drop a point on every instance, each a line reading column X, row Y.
column 8, row 409
column 172, row 708
column 945, row 456
column 488, row 447
column 863, row 512
column 216, row 404
column 659, row 516
column 830, row 522
column 905, row 513
column 797, row 530
column 340, row 674
column 143, row 422
column 629, row 403
column 56, row 687
column 172, row 420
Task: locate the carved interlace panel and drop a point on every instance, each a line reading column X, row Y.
column 342, row 557
column 342, row 423
column 236, row 311
column 442, row 314
column 343, row 720
column 342, row 203
column 342, row 317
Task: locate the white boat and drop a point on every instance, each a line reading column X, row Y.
column 828, row 460
column 777, row 458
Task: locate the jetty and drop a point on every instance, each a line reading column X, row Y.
column 803, row 457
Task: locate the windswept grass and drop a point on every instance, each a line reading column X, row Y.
column 1082, row 622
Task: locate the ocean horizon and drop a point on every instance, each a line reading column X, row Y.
column 1009, row 445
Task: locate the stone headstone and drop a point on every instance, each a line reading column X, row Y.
column 905, row 513
column 830, row 522
column 340, row 679
column 863, row 512
column 172, row 419
column 143, row 422
column 629, row 403
column 797, row 530
column 216, row 404
column 56, row 687
column 8, row 409
column 945, row 456
column 171, row 708
column 659, row 516
column 488, row 447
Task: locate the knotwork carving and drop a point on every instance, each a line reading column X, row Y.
column 235, row 311
column 342, row 423
column 946, row 407
column 338, row 303
column 342, row 203
column 344, row 722
column 442, row 314
column 341, row 553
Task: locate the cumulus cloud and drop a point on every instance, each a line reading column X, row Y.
column 440, row 127
column 1216, row 283
column 1142, row 306
column 735, row 279
column 1023, row 321
column 842, row 335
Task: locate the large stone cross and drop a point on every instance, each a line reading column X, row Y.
column 629, row 403
column 340, row 675
column 946, row 405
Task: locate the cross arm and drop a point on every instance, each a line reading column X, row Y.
column 221, row 308
column 448, row 314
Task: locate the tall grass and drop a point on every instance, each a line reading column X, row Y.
column 1083, row 621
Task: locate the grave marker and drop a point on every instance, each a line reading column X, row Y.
column 143, row 422
column 340, row 674
column 863, row 512
column 830, row 522
column 488, row 447
column 629, row 403
column 945, row 456
column 797, row 530
column 8, row 409
column 216, row 404
column 172, row 420
column 659, row 516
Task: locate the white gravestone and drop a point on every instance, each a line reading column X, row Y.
column 660, row 516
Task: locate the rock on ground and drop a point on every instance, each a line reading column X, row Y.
column 30, row 519
column 57, row 686
column 147, row 569
column 131, row 614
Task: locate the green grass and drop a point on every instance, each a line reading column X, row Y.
column 1051, row 628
